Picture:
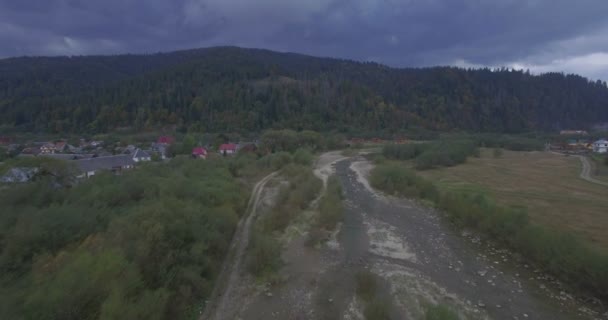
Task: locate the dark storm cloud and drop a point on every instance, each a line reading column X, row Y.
column 543, row 35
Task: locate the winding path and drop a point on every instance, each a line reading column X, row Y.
column 228, row 278
column 586, row 172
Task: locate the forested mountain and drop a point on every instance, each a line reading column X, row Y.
column 234, row 89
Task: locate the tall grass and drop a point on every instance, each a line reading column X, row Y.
column 448, row 152
column 559, row 253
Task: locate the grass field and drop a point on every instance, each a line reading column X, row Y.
column 545, row 183
column 600, row 169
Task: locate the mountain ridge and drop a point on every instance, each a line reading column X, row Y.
column 209, row 89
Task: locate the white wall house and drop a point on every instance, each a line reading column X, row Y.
column 600, row 146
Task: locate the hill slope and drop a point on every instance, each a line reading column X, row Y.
column 227, row 88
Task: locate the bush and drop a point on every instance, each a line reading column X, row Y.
column 302, row 157
column 377, row 310
column 275, row 161
column 264, row 254
column 404, row 151
column 330, row 205
column 366, row 285
column 440, row 312
column 497, row 152
column 397, row 180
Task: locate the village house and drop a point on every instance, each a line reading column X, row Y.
column 5, row 140
column 161, row 145
column 573, row 132
column 248, row 147
column 167, row 140
column 141, row 156
column 228, row 148
column 600, row 146
column 30, row 151
column 199, row 153
column 51, row 147
column 116, row 164
column 90, row 167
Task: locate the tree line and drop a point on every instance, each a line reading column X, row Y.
column 231, row 89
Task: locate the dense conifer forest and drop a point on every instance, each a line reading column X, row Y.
column 234, row 89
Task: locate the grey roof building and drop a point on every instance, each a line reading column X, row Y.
column 141, row 155
column 112, row 163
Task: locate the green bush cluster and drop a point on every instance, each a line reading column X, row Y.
column 144, row 245
column 513, row 143
column 367, row 289
column 440, row 312
column 398, row 180
column 559, row 253
column 404, row 151
column 330, row 205
column 446, row 152
column 264, row 256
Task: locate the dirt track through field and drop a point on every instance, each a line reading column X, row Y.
column 586, row 172
column 232, row 267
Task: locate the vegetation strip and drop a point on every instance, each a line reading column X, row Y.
column 559, row 253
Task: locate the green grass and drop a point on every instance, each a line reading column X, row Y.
column 440, row 312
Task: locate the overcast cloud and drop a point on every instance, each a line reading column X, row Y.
column 540, row 35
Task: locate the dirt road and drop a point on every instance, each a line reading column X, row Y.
column 232, row 267
column 586, row 172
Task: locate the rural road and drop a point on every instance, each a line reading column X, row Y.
column 586, row 172
column 228, row 278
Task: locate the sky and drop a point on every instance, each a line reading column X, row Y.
column 539, row 35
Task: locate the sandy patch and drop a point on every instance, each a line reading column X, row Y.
column 353, row 311
column 363, row 169
column 384, row 241
column 413, row 291
column 324, row 166
column 333, row 242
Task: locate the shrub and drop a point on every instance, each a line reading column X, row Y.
column 440, row 312
column 377, row 310
column 497, row 152
column 330, row 205
column 303, row 157
column 404, row 151
column 264, row 254
column 366, row 285
column 397, row 180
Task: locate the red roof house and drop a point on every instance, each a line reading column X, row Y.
column 199, row 152
column 5, row 140
column 228, row 148
column 166, row 140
